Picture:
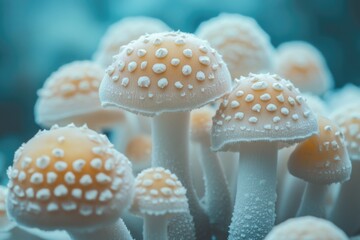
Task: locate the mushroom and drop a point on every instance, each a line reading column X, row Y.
column 138, row 150
column 166, row 75
column 244, row 45
column 320, row 161
column 217, row 196
column 122, row 32
column 305, row 66
column 71, row 179
column 306, row 228
column 262, row 113
column 5, row 223
column 337, row 98
column 159, row 196
column 346, row 211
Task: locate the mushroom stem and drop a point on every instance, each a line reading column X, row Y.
column 155, row 227
column 118, row 230
column 217, row 194
column 346, row 212
column 254, row 212
column 170, row 132
column 313, row 201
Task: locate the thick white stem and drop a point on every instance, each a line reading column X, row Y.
column 346, row 212
column 254, row 212
column 170, row 132
column 118, row 230
column 217, row 194
column 313, row 201
column 155, row 228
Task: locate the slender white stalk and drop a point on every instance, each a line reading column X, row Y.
column 118, row 230
column 230, row 164
column 346, row 212
column 155, row 227
column 254, row 212
column 170, row 132
column 217, row 194
column 290, row 197
column 313, row 201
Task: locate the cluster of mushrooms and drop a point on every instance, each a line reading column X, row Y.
column 210, row 138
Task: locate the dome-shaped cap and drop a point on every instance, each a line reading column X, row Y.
column 306, row 228
column 71, row 95
column 68, row 178
column 159, row 192
column 322, row 159
column 201, row 122
column 165, row 72
column 348, row 119
column 139, row 149
column 305, row 66
column 123, row 32
column 262, row 107
column 244, row 45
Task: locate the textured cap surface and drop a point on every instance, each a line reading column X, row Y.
column 68, row 178
column 165, row 72
column 323, row 158
column 262, row 107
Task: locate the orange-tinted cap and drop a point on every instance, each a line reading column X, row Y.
column 165, row 72
column 323, row 158
column 262, row 107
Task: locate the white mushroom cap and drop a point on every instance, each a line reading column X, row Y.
column 306, row 228
column 348, row 119
column 340, row 97
column 71, row 95
column 5, row 223
column 323, row 158
column 262, row 108
column 165, row 72
column 159, row 192
column 123, row 32
column 244, row 45
column 305, row 66
column 68, row 178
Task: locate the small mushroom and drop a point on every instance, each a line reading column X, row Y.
column 320, row 161
column 244, row 45
column 159, row 196
column 262, row 113
column 165, row 76
column 71, row 179
column 305, row 66
column 346, row 211
column 305, row 228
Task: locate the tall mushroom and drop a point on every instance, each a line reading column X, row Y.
column 166, row 75
column 72, row 179
column 159, row 196
column 320, row 160
column 262, row 114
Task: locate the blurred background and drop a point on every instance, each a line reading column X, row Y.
column 38, row 36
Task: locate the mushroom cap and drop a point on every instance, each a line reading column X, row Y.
column 139, row 149
column 306, row 228
column 159, row 192
column 244, row 45
column 323, row 158
column 5, row 223
column 316, row 104
column 305, row 66
column 201, row 123
column 71, row 95
column 262, row 108
column 123, row 32
column 165, row 72
column 68, row 178
column 348, row 119
column 337, row 98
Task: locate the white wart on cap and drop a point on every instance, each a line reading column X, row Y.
column 71, row 95
column 68, row 178
column 323, row 158
column 159, row 192
column 244, row 45
column 262, row 107
column 165, row 72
